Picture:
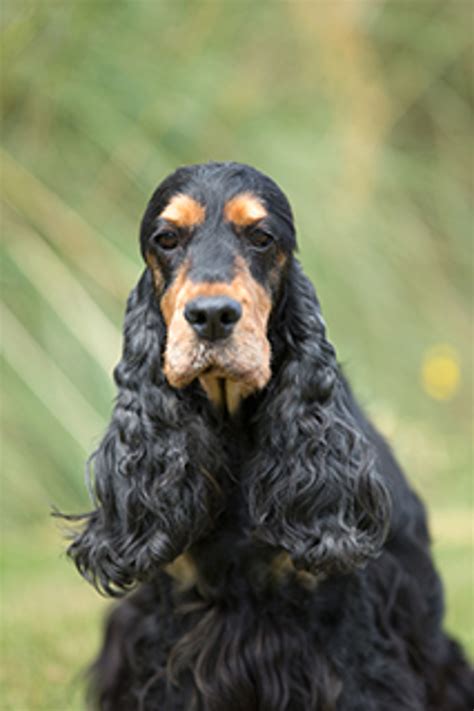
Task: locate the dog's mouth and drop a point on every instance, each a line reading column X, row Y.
column 225, row 379
column 227, row 373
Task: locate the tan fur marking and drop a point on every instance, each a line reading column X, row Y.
column 183, row 211
column 281, row 259
column 233, row 395
column 275, row 273
column 183, row 570
column 169, row 300
column 224, row 393
column 282, row 567
column 156, row 272
column 214, row 390
column 244, row 209
column 307, row 579
column 242, row 360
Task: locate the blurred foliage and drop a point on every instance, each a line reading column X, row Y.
column 359, row 109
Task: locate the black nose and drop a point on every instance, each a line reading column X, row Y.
column 213, row 317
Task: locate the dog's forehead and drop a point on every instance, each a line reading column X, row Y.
column 219, row 192
column 235, row 195
column 212, row 185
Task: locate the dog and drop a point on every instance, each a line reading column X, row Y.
column 271, row 553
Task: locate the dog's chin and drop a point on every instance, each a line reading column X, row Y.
column 225, row 380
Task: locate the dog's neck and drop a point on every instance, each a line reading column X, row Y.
column 230, row 554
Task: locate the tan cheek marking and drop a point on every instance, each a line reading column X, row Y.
column 156, row 272
column 251, row 294
column 244, row 209
column 184, row 211
column 170, row 298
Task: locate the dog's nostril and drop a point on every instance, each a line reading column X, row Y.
column 195, row 315
column 213, row 317
column 231, row 314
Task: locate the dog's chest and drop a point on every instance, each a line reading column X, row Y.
column 230, row 560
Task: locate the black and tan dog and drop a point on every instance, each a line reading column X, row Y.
column 279, row 560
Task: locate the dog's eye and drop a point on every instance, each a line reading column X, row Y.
column 260, row 239
column 167, row 240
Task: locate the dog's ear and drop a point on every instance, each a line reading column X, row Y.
column 314, row 486
column 154, row 474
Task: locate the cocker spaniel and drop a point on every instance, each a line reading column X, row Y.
column 272, row 553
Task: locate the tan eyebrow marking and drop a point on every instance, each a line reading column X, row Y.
column 184, row 211
column 244, row 209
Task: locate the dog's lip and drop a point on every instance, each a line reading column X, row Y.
column 215, row 371
column 209, row 361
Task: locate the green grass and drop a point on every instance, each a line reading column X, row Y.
column 51, row 624
column 360, row 110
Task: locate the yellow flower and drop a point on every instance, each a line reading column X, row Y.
column 440, row 372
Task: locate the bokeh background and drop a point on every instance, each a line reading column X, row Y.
column 361, row 111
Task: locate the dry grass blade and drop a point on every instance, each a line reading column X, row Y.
column 54, row 389
column 66, row 296
column 67, row 229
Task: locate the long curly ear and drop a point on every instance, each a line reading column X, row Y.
column 314, row 487
column 155, row 487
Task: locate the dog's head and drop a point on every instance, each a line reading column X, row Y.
column 217, row 239
column 223, row 311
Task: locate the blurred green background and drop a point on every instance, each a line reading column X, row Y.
column 361, row 111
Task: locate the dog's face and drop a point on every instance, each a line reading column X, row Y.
column 216, row 238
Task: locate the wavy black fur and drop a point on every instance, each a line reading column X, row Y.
column 153, row 484
column 314, row 487
column 301, row 472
